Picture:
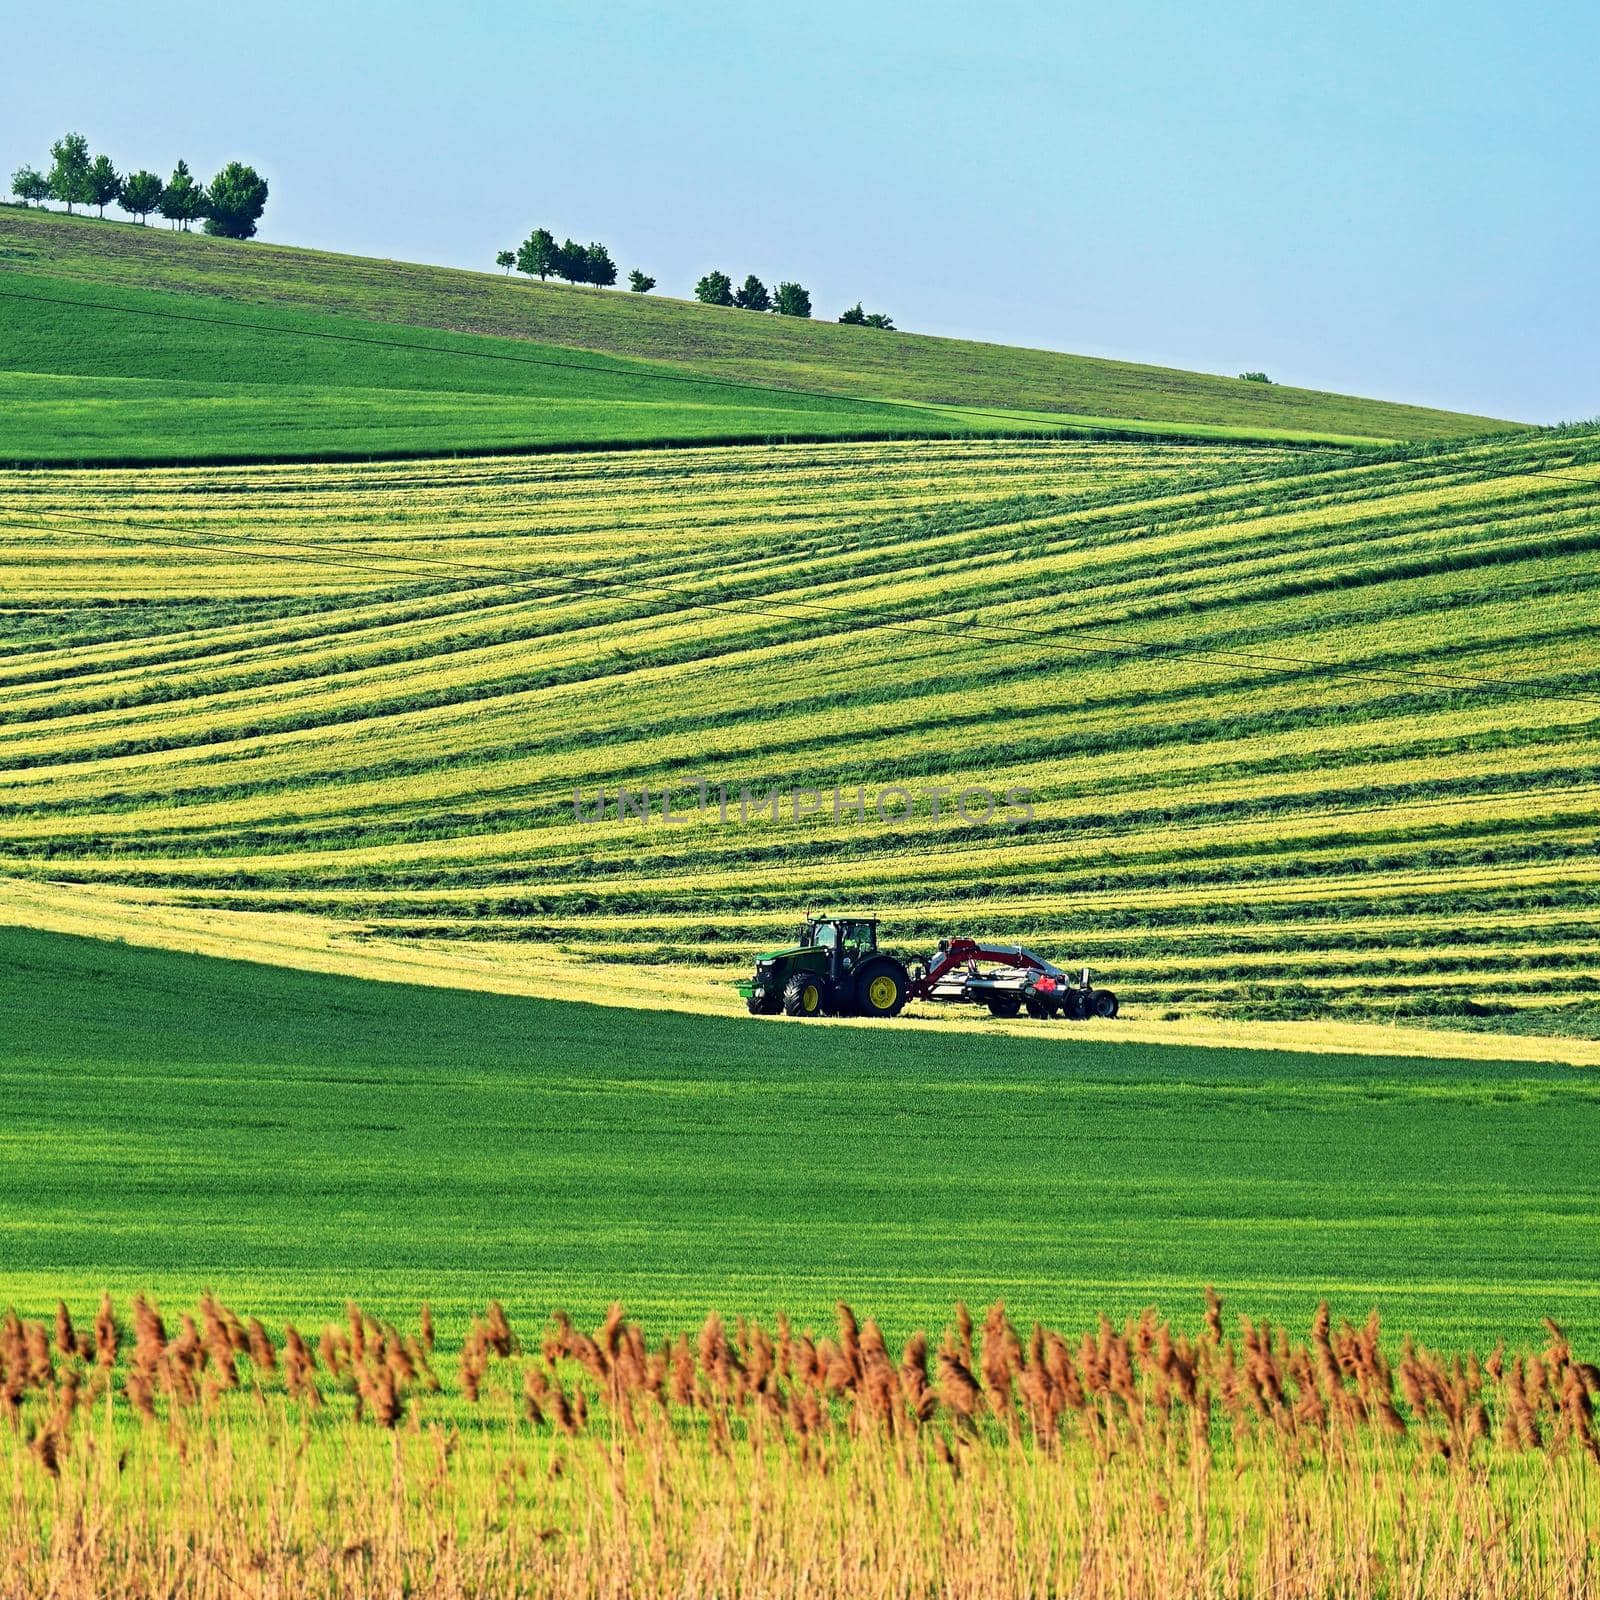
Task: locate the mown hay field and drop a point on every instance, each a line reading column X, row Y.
column 1305, row 734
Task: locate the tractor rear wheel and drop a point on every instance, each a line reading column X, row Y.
column 881, row 988
column 1005, row 1005
column 802, row 995
column 1104, row 1003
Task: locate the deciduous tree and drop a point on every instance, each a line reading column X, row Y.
column 141, row 194
column 640, row 282
column 30, row 186
column 602, row 270
column 506, row 259
column 537, row 254
column 791, row 300
column 182, row 200
column 104, row 182
column 234, row 201
column 752, row 295
column 715, row 289
column 572, row 262
column 69, row 170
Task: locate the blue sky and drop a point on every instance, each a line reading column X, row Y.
column 1385, row 199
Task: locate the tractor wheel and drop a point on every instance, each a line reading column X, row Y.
column 1040, row 1010
column 764, row 1005
column 1004, row 1006
column 881, row 988
column 1104, row 1003
column 802, row 995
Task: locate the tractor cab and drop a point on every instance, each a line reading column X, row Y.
column 845, row 941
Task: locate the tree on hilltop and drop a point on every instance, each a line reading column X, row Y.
column 752, row 295
column 791, row 300
column 715, row 289
column 640, row 282
column 857, row 318
column 103, row 183
column 506, row 259
column 69, row 171
column 182, row 200
column 537, row 254
column 572, row 261
column 141, row 194
column 601, row 270
column 234, row 201
column 30, row 186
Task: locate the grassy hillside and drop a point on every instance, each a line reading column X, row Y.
column 290, row 1139
column 93, row 374
column 1304, row 737
column 781, row 352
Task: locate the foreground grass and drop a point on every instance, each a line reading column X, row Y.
column 290, row 1139
column 776, row 351
column 212, row 1456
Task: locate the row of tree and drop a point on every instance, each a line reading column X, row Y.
column 787, row 300
column 539, row 256
column 230, row 205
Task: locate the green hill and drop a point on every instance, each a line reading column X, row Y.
column 109, row 376
column 814, row 358
column 291, row 1139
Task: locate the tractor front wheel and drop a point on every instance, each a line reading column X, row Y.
column 802, row 996
column 881, row 988
column 764, row 1005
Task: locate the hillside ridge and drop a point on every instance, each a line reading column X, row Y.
column 818, row 356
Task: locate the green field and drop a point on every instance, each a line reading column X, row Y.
column 220, row 278
column 291, row 1139
column 94, row 374
column 1306, row 737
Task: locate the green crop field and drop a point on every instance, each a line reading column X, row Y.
column 291, row 1139
column 94, row 374
column 1306, row 736
column 58, row 379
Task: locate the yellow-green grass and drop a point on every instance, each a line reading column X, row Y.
column 1035, row 386
column 1305, row 736
column 205, row 1453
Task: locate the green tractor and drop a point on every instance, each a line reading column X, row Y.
column 834, row 967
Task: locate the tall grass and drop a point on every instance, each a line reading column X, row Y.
column 208, row 1457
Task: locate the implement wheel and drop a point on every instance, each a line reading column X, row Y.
column 1103, row 1003
column 1004, row 1005
column 802, row 995
column 881, row 988
column 1040, row 1010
